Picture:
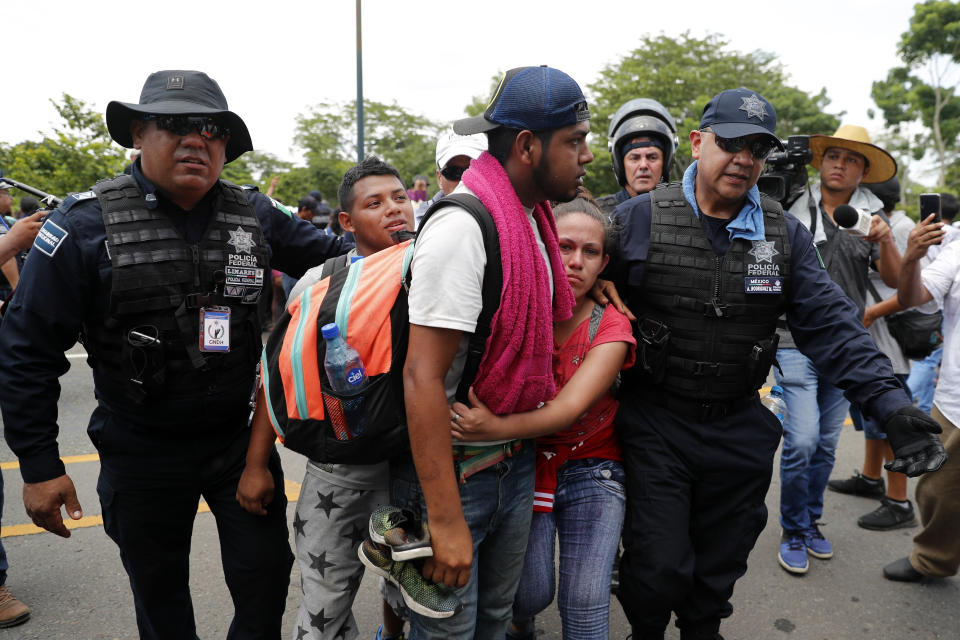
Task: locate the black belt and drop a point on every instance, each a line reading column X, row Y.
column 694, row 409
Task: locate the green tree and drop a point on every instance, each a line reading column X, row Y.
column 255, row 167
column 478, row 104
column 327, row 134
column 77, row 153
column 924, row 90
column 683, row 73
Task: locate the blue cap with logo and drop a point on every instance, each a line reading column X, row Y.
column 740, row 112
column 532, row 98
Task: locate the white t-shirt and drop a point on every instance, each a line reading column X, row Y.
column 942, row 279
column 446, row 289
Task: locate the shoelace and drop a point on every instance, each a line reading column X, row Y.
column 795, row 543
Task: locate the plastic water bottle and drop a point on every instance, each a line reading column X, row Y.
column 342, row 363
column 775, row 402
column 347, row 378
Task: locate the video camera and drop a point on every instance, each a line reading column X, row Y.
column 785, row 176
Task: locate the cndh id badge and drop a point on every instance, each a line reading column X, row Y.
column 215, row 329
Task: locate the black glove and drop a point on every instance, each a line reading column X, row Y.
column 916, row 447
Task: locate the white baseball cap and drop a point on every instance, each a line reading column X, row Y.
column 451, row 144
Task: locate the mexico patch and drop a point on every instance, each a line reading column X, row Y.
column 49, row 238
column 763, row 284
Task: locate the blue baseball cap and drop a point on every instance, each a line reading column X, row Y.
column 533, row 98
column 740, row 112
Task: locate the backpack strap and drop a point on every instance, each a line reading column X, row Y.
column 492, row 281
column 595, row 317
column 334, row 264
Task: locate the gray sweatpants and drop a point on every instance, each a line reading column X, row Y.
column 331, row 521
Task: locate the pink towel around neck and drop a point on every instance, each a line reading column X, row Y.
column 516, row 370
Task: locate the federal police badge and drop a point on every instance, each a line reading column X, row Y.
column 241, row 240
column 763, row 251
column 754, row 107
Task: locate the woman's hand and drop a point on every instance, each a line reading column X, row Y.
column 476, row 424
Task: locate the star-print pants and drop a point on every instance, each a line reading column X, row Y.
column 331, row 521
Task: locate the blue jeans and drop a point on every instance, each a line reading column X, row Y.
column 497, row 505
column 588, row 517
column 923, row 379
column 872, row 430
column 815, row 413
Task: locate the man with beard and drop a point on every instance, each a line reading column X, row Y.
column 478, row 499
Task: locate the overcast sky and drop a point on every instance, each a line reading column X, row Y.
column 275, row 58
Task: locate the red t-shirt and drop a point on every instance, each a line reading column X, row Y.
column 614, row 327
column 592, row 435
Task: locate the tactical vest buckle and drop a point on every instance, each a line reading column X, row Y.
column 706, row 368
column 197, row 300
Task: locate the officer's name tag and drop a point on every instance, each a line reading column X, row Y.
column 215, row 329
column 763, row 284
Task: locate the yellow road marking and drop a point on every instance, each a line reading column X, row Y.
column 291, row 489
column 87, row 457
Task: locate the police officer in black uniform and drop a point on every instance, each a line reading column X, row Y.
column 708, row 265
column 642, row 141
column 158, row 273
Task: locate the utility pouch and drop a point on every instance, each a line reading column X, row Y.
column 763, row 355
column 652, row 348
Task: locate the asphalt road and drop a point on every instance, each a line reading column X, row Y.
column 77, row 588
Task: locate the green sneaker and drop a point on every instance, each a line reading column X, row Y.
column 422, row 596
column 407, row 535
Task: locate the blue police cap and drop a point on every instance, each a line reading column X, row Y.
column 740, row 112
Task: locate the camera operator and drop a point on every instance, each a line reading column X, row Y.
column 642, row 140
column 817, row 408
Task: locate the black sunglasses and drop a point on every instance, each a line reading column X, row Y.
column 760, row 148
column 208, row 128
column 452, row 172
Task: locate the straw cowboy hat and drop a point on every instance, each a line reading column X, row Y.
column 849, row 136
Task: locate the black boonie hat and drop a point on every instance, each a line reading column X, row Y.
column 179, row 93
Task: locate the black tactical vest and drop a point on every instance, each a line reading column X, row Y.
column 707, row 325
column 150, row 339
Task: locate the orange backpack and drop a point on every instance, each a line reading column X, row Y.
column 368, row 301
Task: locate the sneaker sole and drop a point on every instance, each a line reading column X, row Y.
column 407, row 598
column 403, row 552
column 791, row 569
column 859, row 494
column 819, row 556
column 906, row 524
